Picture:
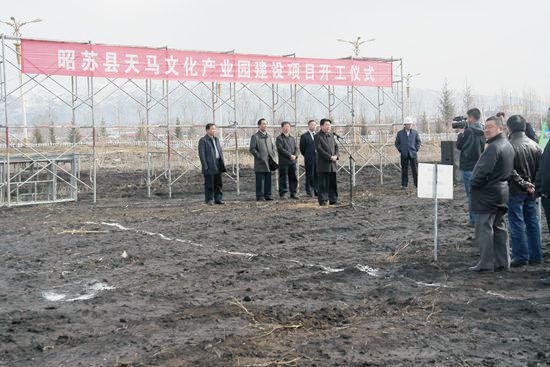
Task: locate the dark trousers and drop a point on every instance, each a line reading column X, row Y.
column 545, row 201
column 492, row 239
column 311, row 178
column 405, row 163
column 287, row 179
column 327, row 189
column 213, row 188
column 263, row 185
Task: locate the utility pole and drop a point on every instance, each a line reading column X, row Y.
column 356, row 44
column 408, row 78
column 16, row 28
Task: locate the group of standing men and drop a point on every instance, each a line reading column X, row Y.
column 503, row 173
column 319, row 148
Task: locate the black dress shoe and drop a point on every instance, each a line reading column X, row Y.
column 518, row 264
column 220, row 202
column 268, row 199
column 334, row 202
column 294, row 197
column 478, row 269
column 323, row 203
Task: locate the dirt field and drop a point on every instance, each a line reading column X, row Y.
column 139, row 282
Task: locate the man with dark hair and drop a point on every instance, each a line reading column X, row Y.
column 327, row 155
column 489, row 190
column 307, row 148
column 263, row 151
column 471, row 143
column 408, row 143
column 529, row 131
column 522, row 206
column 213, row 165
column 288, row 155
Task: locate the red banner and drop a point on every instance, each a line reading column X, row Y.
column 94, row 60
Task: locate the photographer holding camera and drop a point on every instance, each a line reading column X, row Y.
column 471, row 143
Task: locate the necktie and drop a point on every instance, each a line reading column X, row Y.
column 216, row 148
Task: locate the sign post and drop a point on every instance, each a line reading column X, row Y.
column 435, row 181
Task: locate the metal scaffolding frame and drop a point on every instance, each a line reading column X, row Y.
column 162, row 144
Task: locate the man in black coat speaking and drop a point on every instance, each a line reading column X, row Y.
column 490, row 192
column 327, row 155
column 213, row 165
column 307, row 148
column 408, row 143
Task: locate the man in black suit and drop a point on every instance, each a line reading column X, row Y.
column 288, row 156
column 213, row 165
column 408, row 143
column 327, row 155
column 307, row 148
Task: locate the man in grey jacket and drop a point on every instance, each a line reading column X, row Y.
column 489, row 189
column 288, row 155
column 262, row 148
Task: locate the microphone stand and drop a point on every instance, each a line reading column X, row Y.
column 351, row 160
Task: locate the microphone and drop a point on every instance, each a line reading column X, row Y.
column 337, row 136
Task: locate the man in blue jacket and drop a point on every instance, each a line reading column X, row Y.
column 408, row 143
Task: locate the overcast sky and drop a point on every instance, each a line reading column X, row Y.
column 491, row 44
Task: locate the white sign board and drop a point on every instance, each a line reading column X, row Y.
column 427, row 184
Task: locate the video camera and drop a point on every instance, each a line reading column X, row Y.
column 459, row 122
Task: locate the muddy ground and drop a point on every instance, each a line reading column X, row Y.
column 133, row 281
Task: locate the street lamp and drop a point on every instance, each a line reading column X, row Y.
column 356, row 44
column 408, row 78
column 16, row 27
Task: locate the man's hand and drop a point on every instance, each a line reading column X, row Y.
column 292, row 157
column 531, row 188
column 334, row 158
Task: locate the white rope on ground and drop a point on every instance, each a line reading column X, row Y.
column 325, row 269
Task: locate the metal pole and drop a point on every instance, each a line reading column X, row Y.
column 273, row 103
column 435, row 211
column 294, row 92
column 74, row 94
column 402, row 98
column 8, row 170
column 354, row 137
column 147, row 99
column 238, row 177
column 21, row 94
column 380, row 145
column 168, row 141
column 94, row 140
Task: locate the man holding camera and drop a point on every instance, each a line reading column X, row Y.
column 489, row 193
column 471, row 143
column 522, row 205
